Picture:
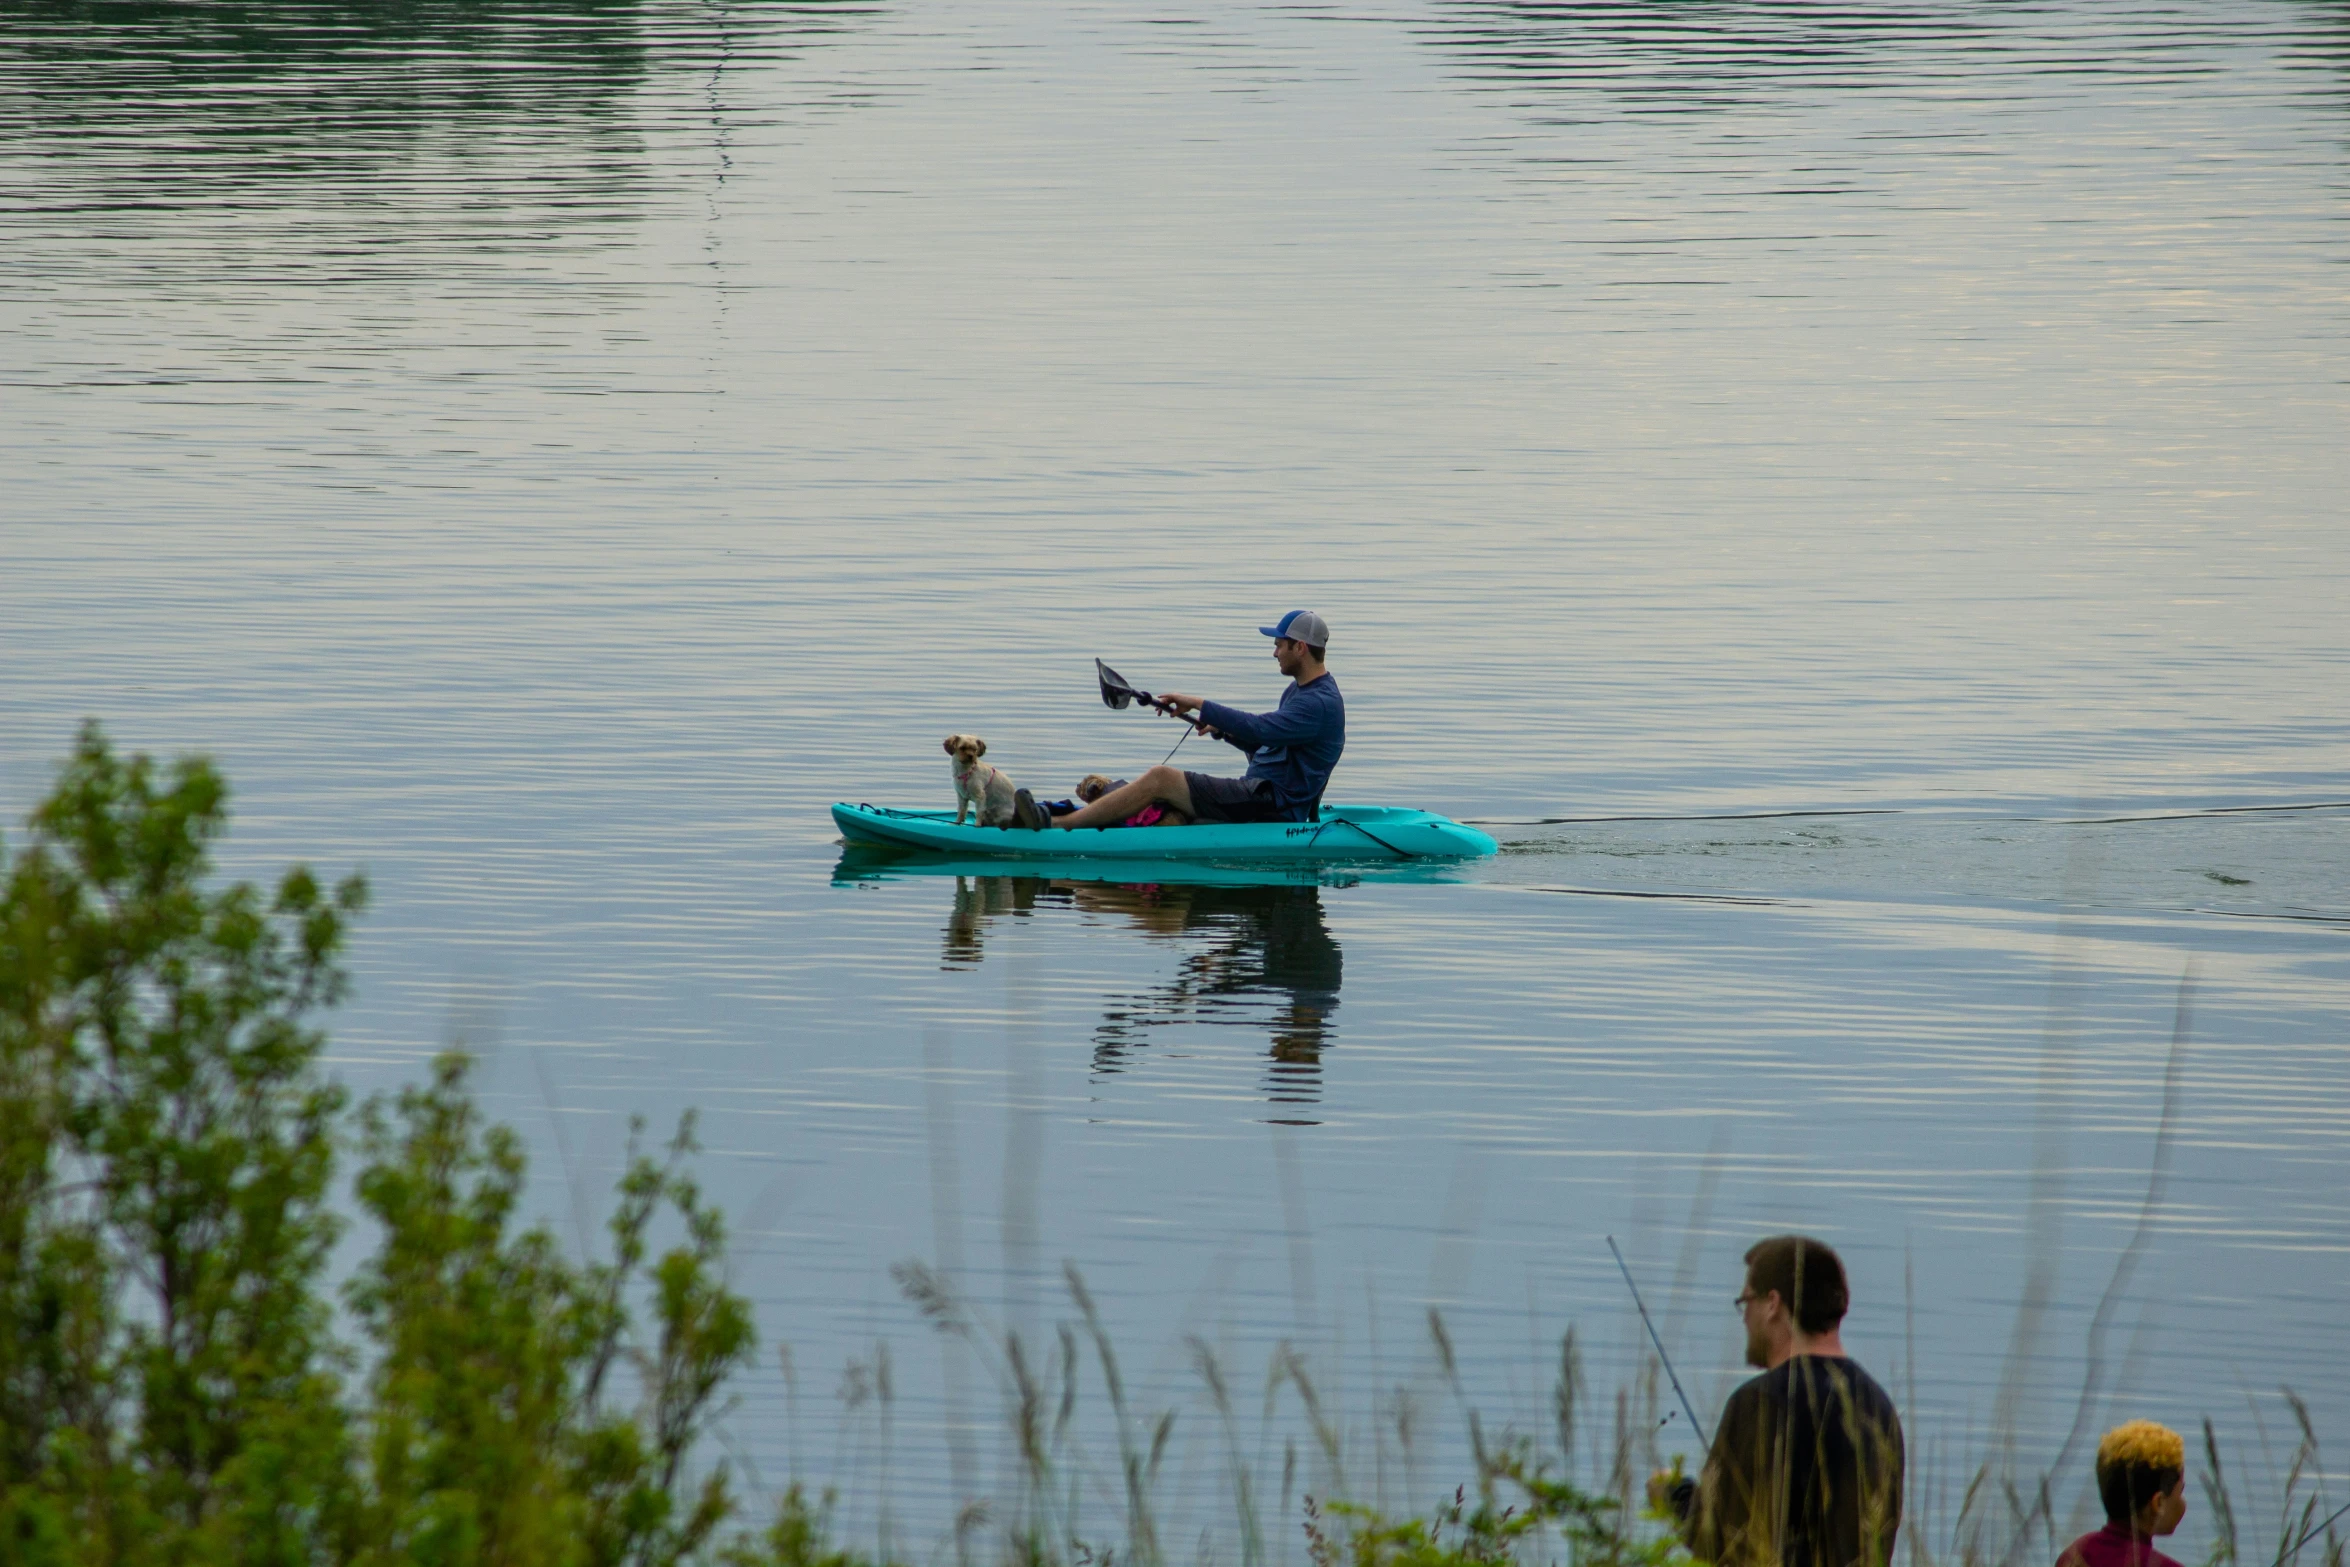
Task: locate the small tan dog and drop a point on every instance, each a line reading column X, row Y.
column 979, row 786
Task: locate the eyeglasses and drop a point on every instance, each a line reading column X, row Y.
column 1740, row 1304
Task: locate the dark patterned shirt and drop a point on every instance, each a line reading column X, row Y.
column 1805, row 1472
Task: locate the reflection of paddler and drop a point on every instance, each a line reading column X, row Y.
column 1266, row 943
column 1274, row 944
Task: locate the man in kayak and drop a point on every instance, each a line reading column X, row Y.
column 1291, row 750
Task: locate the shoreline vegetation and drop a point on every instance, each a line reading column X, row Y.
column 185, row 1380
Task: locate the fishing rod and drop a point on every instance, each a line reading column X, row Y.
column 1695, row 1424
column 2314, row 1530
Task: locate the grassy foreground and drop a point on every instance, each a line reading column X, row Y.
column 183, row 1382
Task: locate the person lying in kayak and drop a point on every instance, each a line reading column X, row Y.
column 1291, row 750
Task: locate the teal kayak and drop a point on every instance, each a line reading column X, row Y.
column 1344, row 833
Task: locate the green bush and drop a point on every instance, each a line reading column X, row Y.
column 172, row 1390
column 1484, row 1530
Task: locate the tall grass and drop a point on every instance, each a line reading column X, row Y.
column 1083, row 1469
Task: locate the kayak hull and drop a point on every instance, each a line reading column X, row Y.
column 1344, row 834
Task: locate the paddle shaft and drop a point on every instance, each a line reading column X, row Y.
column 1176, row 712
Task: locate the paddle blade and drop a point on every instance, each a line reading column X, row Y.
column 1116, row 693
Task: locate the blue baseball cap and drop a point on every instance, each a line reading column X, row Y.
column 1301, row 625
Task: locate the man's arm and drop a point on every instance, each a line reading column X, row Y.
column 1879, row 1446
column 1716, row 1510
column 1674, row 1494
column 1687, row 1502
column 1684, row 1499
column 1236, row 729
column 1302, row 720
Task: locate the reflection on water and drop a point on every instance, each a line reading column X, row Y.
column 1684, row 57
column 316, row 127
column 1668, row 58
column 1254, row 956
column 1257, row 957
column 979, row 899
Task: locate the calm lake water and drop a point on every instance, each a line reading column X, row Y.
column 1854, row 500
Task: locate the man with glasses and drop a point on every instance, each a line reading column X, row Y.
column 1291, row 750
column 1806, row 1465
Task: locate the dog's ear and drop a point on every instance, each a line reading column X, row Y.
column 979, row 746
column 950, row 745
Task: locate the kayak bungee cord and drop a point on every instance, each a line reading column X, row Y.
column 1348, row 821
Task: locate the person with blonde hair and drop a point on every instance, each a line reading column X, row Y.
column 2142, row 1479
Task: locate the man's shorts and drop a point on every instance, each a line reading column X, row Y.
column 1232, row 799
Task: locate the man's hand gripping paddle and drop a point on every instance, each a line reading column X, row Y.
column 1118, row 695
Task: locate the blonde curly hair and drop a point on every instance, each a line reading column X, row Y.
column 2137, row 1461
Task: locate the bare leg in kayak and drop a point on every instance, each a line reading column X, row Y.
column 1162, row 785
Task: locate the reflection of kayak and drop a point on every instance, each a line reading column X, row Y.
column 1344, row 833
column 866, row 863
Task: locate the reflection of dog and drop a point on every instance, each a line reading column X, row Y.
column 980, row 787
column 979, row 899
column 1157, row 814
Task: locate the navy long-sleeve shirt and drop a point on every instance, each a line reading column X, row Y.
column 1295, row 747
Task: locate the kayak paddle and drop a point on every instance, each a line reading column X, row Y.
column 1118, row 695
